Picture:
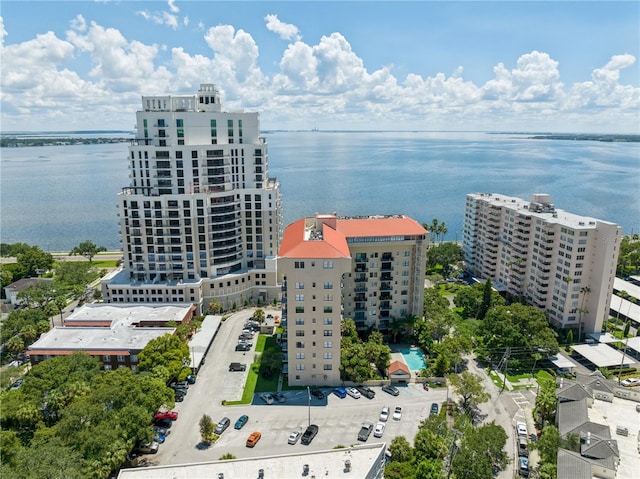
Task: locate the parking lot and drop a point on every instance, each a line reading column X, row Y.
column 339, row 420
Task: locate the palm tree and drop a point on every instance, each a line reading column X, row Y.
column 584, row 291
column 441, row 231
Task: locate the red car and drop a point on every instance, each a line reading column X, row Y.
column 172, row 415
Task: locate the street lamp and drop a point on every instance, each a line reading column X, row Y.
column 309, row 403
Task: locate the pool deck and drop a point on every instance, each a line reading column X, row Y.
column 396, row 355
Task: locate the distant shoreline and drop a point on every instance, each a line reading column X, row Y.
column 31, row 139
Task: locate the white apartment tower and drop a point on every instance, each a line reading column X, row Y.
column 369, row 269
column 201, row 217
column 560, row 262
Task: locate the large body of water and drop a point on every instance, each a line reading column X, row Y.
column 57, row 196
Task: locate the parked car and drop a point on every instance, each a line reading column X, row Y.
column 309, row 434
column 366, row 392
column 191, row 379
column 280, row 397
column 266, row 397
column 246, row 336
column 180, row 391
column 317, row 393
column 397, row 413
column 294, row 436
column 384, row 414
column 354, row 393
column 179, row 385
column 148, row 448
column 17, row 384
column 340, row 392
column 523, row 466
column 253, row 438
column 521, row 429
column 247, row 342
column 379, row 430
column 171, row 415
column 242, row 420
column 629, row 382
column 159, row 438
column 237, row 367
column 391, row 390
column 222, row 425
column 179, row 396
column 434, row 408
column 161, row 430
column 242, row 347
column 164, row 423
column 365, row 431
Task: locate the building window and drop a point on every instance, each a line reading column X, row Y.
column 327, row 264
column 328, row 344
column 328, row 332
column 121, row 358
column 328, row 355
column 299, row 367
column 134, row 358
column 299, row 297
column 299, row 265
column 299, row 355
column 299, row 285
column 299, row 322
column 299, row 309
column 328, row 321
column 328, row 367
column 299, row 333
column 328, row 309
column 328, row 285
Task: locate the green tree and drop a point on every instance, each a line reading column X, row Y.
column 627, row 328
column 399, row 470
column 446, row 255
column 516, row 325
column 432, row 439
column 546, row 400
column 480, row 451
column 214, row 307
column 34, row 261
column 87, row 249
column 400, row 449
column 69, row 274
column 486, row 299
column 548, row 444
column 259, row 316
column 39, row 295
column 166, row 354
column 15, row 345
column 206, row 429
column 429, row 469
column 469, row 387
column 18, row 319
column 572, row 442
column 226, row 457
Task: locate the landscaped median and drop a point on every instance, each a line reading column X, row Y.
column 255, row 382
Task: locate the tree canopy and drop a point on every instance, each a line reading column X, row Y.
column 87, row 249
column 167, row 357
column 469, row 387
column 446, row 255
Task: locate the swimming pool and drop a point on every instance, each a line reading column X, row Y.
column 414, row 359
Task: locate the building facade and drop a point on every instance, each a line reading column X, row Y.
column 201, row 217
column 370, row 269
column 560, row 262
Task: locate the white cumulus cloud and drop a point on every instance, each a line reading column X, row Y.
column 286, row 31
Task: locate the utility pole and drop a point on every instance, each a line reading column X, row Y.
column 503, row 363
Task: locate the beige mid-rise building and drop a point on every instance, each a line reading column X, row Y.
column 369, row 269
column 558, row 261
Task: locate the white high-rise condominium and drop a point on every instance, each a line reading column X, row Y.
column 560, row 262
column 201, row 217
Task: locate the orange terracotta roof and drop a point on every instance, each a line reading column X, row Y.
column 396, row 366
column 382, row 226
column 294, row 244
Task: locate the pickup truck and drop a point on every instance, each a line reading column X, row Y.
column 365, row 431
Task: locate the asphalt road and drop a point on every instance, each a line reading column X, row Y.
column 339, row 420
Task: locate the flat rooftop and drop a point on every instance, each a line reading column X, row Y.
column 602, row 355
column 328, row 463
column 118, row 338
column 128, row 313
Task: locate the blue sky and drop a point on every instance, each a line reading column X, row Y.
column 420, row 65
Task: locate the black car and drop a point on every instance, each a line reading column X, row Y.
column 434, row 408
column 391, row 390
column 366, row 392
column 165, row 423
column 243, row 347
column 309, row 434
column 179, row 397
column 317, row 393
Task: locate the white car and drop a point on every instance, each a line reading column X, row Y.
column 379, row 431
column 266, row 397
column 630, row 382
column 294, row 436
column 521, row 428
column 354, row 393
column 397, row 413
column 384, row 414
